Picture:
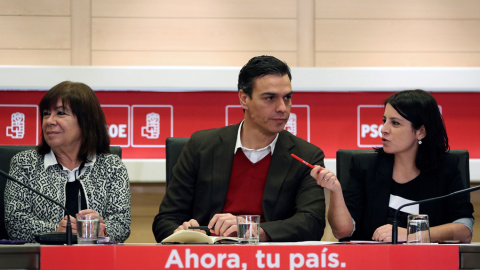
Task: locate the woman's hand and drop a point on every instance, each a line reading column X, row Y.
column 384, row 234
column 339, row 217
column 325, row 178
column 102, row 232
column 62, row 225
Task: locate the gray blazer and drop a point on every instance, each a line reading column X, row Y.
column 293, row 204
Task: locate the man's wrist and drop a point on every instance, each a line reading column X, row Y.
column 264, row 237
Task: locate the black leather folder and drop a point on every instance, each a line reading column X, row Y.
column 54, row 238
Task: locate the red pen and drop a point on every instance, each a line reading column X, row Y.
column 303, row 161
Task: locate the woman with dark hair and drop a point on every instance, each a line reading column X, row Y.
column 72, row 161
column 414, row 164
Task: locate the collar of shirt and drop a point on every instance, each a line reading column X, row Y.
column 51, row 160
column 254, row 155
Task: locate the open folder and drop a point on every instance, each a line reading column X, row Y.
column 194, row 237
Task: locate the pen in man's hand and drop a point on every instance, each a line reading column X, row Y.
column 205, row 228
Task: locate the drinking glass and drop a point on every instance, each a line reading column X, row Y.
column 418, row 229
column 88, row 227
column 248, row 229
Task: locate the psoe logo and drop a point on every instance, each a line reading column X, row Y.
column 17, row 128
column 151, row 125
column 369, row 125
column 152, row 128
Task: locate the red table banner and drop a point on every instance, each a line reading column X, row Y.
column 288, row 257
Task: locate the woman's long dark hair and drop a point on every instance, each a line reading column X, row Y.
column 420, row 108
column 85, row 106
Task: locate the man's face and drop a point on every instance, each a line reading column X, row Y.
column 268, row 109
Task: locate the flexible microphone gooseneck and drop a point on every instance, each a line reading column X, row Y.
column 69, row 224
column 395, row 226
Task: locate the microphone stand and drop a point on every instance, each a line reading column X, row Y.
column 395, row 226
column 69, row 224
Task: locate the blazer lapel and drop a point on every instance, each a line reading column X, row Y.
column 277, row 173
column 383, row 185
column 222, row 166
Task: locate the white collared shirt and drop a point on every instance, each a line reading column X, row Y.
column 51, row 160
column 254, row 155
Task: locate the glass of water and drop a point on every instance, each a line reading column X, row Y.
column 248, row 229
column 88, row 227
column 418, row 229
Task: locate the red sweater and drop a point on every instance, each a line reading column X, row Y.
column 247, row 181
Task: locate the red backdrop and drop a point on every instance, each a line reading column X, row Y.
column 141, row 121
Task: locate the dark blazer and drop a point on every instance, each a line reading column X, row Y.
column 367, row 194
column 293, row 204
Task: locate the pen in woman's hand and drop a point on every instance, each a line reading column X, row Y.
column 303, row 161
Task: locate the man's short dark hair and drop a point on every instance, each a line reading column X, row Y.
column 260, row 66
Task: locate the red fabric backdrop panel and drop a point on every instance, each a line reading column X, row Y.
column 140, row 121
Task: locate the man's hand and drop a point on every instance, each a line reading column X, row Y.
column 225, row 225
column 186, row 224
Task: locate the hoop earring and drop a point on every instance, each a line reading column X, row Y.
column 420, row 142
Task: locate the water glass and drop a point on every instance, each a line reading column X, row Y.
column 88, row 227
column 248, row 229
column 418, row 229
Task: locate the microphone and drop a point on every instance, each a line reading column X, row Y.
column 395, row 225
column 69, row 224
